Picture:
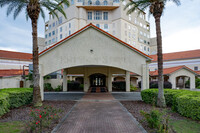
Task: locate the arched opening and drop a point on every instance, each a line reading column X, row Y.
column 105, row 3
column 97, row 80
column 182, row 82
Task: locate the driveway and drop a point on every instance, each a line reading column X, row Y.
column 99, row 113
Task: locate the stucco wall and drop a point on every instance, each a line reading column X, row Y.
column 91, row 48
column 10, row 82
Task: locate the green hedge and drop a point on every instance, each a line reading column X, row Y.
column 185, row 102
column 14, row 97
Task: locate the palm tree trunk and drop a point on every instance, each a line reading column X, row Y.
column 37, row 101
column 161, row 98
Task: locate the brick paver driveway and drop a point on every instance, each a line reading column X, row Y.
column 99, row 113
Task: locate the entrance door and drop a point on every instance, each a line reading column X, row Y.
column 97, row 80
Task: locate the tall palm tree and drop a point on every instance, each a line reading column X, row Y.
column 156, row 8
column 34, row 8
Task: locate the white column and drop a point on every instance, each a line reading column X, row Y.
column 172, row 79
column 64, row 79
column 86, row 80
column 109, row 80
column 41, row 82
column 127, row 81
column 192, row 82
column 145, row 77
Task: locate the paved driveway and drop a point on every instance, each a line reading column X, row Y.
column 99, row 113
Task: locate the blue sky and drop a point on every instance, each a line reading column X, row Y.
column 180, row 28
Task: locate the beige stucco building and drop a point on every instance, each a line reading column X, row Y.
column 109, row 15
column 97, row 55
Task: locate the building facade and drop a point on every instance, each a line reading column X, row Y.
column 108, row 15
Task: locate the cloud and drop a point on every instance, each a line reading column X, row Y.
column 186, row 39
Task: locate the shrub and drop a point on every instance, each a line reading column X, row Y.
column 48, row 87
column 185, row 102
column 14, row 97
column 119, row 85
column 154, row 84
column 197, row 82
column 58, row 88
column 133, row 88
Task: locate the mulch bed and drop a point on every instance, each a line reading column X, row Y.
column 134, row 107
column 23, row 113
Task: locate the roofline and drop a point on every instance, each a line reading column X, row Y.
column 91, row 25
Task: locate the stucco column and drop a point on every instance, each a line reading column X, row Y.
column 86, row 80
column 64, row 79
column 145, row 77
column 192, row 82
column 172, row 79
column 41, row 82
column 127, row 81
column 109, row 80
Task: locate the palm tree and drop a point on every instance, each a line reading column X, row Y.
column 156, row 8
column 34, row 8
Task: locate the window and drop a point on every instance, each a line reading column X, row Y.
column 196, row 68
column 60, row 36
column 54, row 24
column 80, row 1
column 69, row 32
column 46, row 36
column 105, row 2
column 53, row 32
column 97, row 2
column 60, row 29
column 72, row 2
column 56, row 31
column 60, row 20
column 145, row 41
column 105, row 15
column 97, row 15
column 116, row 1
column 145, row 48
column 145, row 34
column 49, row 41
column 98, row 25
column 129, row 34
column 49, row 34
column 53, row 40
column 89, row 2
column 49, row 27
column 105, row 26
column 89, row 15
column 69, row 25
column 148, row 49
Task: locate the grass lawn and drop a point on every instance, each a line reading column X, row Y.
column 185, row 126
column 11, row 127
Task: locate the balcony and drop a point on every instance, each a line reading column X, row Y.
column 98, row 5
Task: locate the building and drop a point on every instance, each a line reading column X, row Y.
column 97, row 55
column 153, row 46
column 109, row 15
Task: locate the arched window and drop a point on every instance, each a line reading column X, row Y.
column 89, row 2
column 105, row 2
column 97, row 2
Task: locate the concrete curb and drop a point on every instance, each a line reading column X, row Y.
column 55, row 129
column 133, row 118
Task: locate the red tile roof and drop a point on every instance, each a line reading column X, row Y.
column 91, row 25
column 12, row 72
column 179, row 55
column 15, row 55
column 167, row 71
column 198, row 72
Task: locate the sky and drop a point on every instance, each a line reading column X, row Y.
column 180, row 27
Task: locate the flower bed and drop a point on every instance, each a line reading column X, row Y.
column 185, row 102
column 14, row 97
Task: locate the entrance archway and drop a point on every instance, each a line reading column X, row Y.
column 97, row 80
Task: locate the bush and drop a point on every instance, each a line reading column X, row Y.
column 133, row 88
column 154, row 84
column 185, row 102
column 14, row 97
column 119, row 85
column 48, row 87
column 58, row 88
column 197, row 82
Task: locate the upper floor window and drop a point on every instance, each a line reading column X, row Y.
column 46, row 36
column 196, row 68
column 60, row 36
column 105, row 15
column 97, row 2
column 60, row 20
column 129, row 17
column 116, row 1
column 72, row 2
column 80, row 0
column 49, row 27
column 97, row 15
column 89, row 2
column 105, row 26
column 105, row 2
column 49, row 34
column 53, row 32
column 53, row 40
column 89, row 15
column 60, row 29
column 54, row 24
column 69, row 32
column 98, row 25
column 69, row 25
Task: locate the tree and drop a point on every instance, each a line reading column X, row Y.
column 34, row 8
column 156, row 8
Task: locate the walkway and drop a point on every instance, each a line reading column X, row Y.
column 99, row 113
